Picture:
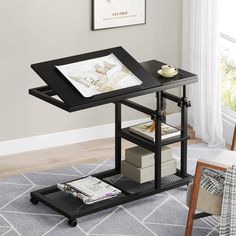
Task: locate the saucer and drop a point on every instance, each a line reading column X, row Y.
column 167, row 76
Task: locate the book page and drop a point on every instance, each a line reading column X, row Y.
column 99, row 75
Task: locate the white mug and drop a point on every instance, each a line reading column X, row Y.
column 168, row 70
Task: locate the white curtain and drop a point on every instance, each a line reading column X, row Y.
column 201, row 41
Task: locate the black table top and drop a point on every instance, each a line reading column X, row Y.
column 147, row 72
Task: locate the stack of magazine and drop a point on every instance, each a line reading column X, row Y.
column 89, row 189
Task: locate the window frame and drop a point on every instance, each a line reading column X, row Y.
column 228, row 115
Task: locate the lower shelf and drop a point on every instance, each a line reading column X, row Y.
column 128, row 186
column 73, row 208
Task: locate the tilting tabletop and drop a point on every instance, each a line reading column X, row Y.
column 70, row 98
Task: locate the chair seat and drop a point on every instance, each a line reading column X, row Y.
column 206, row 202
column 197, row 197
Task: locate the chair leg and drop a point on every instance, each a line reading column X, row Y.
column 193, row 201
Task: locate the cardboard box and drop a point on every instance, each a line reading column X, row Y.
column 142, row 175
column 141, row 157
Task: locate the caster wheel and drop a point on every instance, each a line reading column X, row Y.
column 72, row 223
column 34, row 201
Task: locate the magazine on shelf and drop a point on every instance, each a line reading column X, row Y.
column 147, row 130
column 99, row 75
column 89, row 189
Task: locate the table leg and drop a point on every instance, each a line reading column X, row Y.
column 157, row 154
column 118, row 136
column 184, row 130
column 163, row 105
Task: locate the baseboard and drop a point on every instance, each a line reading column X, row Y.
column 70, row 137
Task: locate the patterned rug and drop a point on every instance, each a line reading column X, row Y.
column 161, row 215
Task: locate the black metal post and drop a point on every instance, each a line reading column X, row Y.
column 184, row 130
column 171, row 97
column 163, row 105
column 117, row 137
column 158, row 143
column 137, row 107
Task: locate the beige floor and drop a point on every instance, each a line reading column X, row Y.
column 61, row 156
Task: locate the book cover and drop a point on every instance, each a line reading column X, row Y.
column 147, row 130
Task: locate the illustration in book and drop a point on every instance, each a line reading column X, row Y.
column 99, row 75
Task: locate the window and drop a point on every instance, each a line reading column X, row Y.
column 228, row 54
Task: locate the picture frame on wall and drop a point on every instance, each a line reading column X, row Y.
column 117, row 13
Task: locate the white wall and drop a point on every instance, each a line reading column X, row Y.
column 39, row 30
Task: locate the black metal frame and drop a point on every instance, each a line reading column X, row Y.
column 201, row 215
column 157, row 186
column 71, row 100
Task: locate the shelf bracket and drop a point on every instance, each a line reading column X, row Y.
column 159, row 115
column 184, row 102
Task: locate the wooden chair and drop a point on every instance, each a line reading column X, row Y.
column 221, row 162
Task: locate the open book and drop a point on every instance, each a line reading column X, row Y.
column 147, row 130
column 99, row 75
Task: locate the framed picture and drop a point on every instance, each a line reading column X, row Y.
column 118, row 13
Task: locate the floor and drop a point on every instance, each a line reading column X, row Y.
column 158, row 215
column 62, row 156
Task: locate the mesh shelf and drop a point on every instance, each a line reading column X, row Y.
column 130, row 186
column 68, row 202
column 73, row 208
column 127, row 185
column 71, row 204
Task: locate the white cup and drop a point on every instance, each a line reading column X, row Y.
column 168, row 70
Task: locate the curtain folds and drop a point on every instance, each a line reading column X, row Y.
column 201, row 55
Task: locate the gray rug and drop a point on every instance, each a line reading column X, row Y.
column 163, row 214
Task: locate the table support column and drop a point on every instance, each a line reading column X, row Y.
column 184, row 128
column 163, row 105
column 118, row 136
column 157, row 154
